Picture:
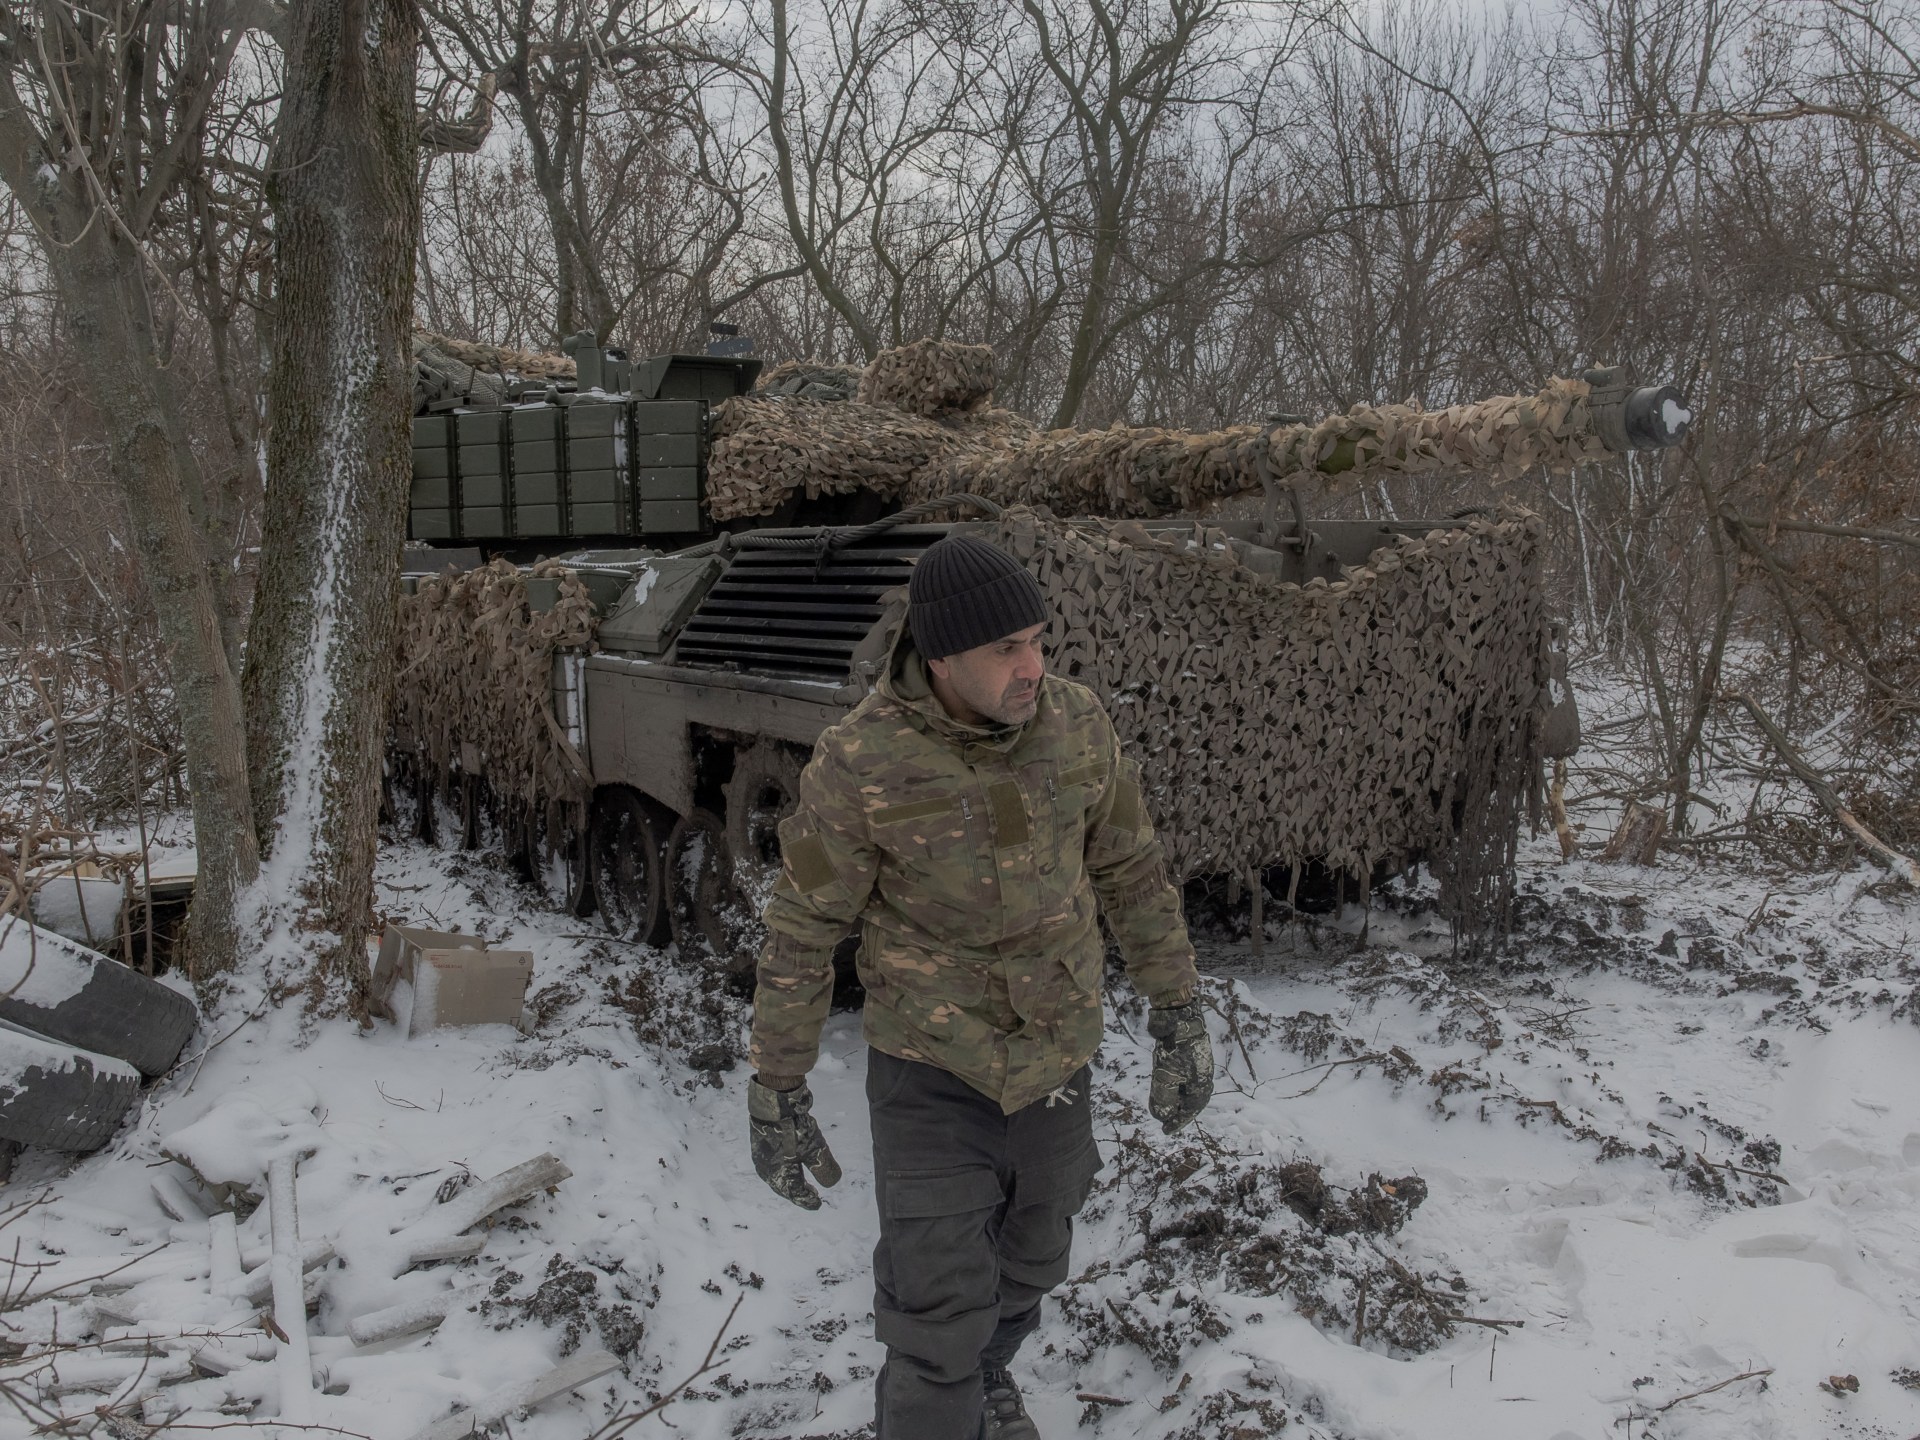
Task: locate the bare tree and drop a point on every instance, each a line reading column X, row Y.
column 104, row 112
column 346, row 210
column 587, row 81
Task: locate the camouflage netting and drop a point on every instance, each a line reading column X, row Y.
column 1391, row 714
column 921, row 427
column 763, row 450
column 473, row 693
column 930, row 377
column 1147, row 472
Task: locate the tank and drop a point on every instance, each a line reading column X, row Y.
column 1316, row 704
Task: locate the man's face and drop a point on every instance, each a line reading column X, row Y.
column 998, row 682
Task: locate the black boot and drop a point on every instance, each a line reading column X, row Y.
column 1006, row 1413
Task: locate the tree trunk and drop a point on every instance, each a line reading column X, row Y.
column 102, row 289
column 346, row 210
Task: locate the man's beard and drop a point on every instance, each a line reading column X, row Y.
column 1017, row 704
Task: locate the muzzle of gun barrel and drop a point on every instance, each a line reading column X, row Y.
column 1635, row 417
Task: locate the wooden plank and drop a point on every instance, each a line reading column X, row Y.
column 476, row 1203
column 410, row 1318
column 294, row 1362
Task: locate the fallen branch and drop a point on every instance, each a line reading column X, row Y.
column 621, row 1424
column 1370, row 1058
column 1754, row 1174
column 1902, row 867
column 256, row 1286
column 409, row 1318
column 1721, row 1385
column 448, row 1247
column 471, row 1206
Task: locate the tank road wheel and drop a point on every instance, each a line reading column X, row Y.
column 629, row 878
column 713, row 924
column 573, row 846
column 764, row 790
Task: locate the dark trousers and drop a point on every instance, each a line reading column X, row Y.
column 976, row 1222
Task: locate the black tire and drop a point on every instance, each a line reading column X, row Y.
column 713, row 925
column 629, row 876
column 60, row 1097
column 75, row 996
column 764, row 790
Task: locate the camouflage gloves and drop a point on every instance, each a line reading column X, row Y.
column 785, row 1136
column 1182, row 1065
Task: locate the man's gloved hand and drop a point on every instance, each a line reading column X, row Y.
column 1182, row 1065
column 785, row 1136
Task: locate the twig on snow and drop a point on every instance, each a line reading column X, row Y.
column 621, row 1424
column 1719, row 1385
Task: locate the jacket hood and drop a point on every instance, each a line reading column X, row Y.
column 907, row 683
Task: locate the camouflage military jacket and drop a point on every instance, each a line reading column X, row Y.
column 971, row 859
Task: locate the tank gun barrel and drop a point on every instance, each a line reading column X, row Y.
column 1145, row 472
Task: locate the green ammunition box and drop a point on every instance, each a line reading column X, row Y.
column 436, row 463
column 669, row 417
column 592, row 419
column 535, row 520
column 479, row 459
column 666, row 450
column 536, row 489
column 592, row 452
column 483, row 490
column 478, row 427
column 484, row 521
column 430, row 432
column 430, row 492
column 658, row 517
column 596, row 519
column 430, row 525
column 676, row 483
column 536, row 455
column 596, row 487
column 535, row 423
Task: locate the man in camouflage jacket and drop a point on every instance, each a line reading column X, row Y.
column 967, row 814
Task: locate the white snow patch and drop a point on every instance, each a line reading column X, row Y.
column 22, row 1051
column 1635, row 1290
column 41, row 968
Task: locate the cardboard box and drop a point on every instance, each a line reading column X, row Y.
column 454, row 978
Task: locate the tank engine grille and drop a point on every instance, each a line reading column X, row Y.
column 788, row 613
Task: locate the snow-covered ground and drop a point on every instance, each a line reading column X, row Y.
column 1671, row 1138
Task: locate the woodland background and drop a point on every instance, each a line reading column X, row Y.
column 1176, row 212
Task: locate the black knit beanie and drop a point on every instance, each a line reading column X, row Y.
column 964, row 592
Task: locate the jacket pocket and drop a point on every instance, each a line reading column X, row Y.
column 935, row 841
